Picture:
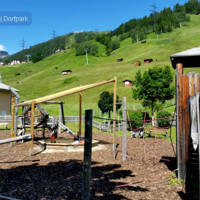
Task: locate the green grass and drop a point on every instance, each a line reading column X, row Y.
column 44, row 77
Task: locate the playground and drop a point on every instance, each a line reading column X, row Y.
column 59, row 175
column 135, row 166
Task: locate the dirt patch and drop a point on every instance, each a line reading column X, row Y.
column 58, row 175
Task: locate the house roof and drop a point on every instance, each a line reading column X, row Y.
column 127, row 80
column 189, row 58
column 67, row 70
column 7, row 88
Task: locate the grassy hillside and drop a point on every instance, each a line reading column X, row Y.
column 45, row 77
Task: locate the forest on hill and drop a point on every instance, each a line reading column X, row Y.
column 136, row 29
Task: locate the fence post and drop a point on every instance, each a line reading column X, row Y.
column 124, row 138
column 180, row 131
column 59, row 119
column 87, row 156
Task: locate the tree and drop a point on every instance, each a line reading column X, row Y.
column 154, row 86
column 91, row 47
column 105, row 102
column 37, row 57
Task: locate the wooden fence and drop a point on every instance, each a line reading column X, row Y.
column 187, row 86
column 75, row 119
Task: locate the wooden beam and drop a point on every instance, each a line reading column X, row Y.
column 62, row 110
column 198, row 82
column 32, row 127
column 23, row 137
column 180, row 145
column 191, row 84
column 186, row 114
column 13, row 117
column 65, row 93
column 87, row 156
column 80, row 110
column 52, row 102
column 114, row 116
column 16, row 117
column 124, row 138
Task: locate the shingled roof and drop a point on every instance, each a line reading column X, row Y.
column 189, row 58
column 7, row 88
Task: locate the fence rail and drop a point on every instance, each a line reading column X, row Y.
column 74, row 119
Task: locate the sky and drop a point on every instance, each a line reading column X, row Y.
column 66, row 16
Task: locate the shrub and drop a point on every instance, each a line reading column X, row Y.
column 135, row 116
column 163, row 122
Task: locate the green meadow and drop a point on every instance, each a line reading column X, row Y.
column 45, row 77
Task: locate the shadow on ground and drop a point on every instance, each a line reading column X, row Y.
column 62, row 180
column 191, row 183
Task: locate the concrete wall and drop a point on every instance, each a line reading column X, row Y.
column 5, row 102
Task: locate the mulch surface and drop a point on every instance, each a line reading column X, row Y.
column 59, row 175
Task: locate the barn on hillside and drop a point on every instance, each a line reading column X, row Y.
column 137, row 63
column 64, row 72
column 148, row 60
column 127, row 83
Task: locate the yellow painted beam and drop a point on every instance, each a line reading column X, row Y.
column 64, row 93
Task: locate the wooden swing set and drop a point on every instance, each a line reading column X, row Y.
column 51, row 97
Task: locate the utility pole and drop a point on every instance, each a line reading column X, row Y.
column 86, row 56
column 28, row 56
column 153, row 10
column 23, row 44
column 54, row 33
column 137, row 36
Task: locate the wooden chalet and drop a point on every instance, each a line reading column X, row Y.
column 65, row 72
column 127, row 83
column 148, row 60
column 120, row 59
column 137, row 63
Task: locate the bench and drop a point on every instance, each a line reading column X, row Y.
column 158, row 130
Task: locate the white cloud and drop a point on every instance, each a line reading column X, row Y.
column 2, row 48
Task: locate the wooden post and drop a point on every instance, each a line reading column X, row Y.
column 13, row 117
column 32, row 127
column 63, row 115
column 124, row 138
column 16, row 117
column 191, row 84
column 186, row 114
column 59, row 119
column 198, row 131
column 198, row 82
column 80, row 109
column 180, row 145
column 87, row 156
column 114, row 116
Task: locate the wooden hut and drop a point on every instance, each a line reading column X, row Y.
column 137, row 63
column 119, row 59
column 127, row 83
column 65, row 72
column 148, row 60
column 6, row 93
